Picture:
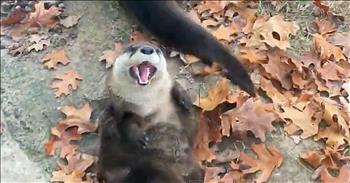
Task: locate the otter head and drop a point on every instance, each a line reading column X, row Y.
column 140, row 63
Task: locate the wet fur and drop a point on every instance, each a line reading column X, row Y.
column 169, row 24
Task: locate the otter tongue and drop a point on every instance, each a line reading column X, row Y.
column 144, row 73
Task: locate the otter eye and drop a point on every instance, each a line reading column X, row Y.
column 158, row 51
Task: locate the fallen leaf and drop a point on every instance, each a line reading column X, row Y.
column 79, row 117
column 212, row 6
column 327, row 50
column 278, row 69
column 323, row 7
column 52, row 59
column 68, row 80
column 216, row 96
column 313, row 157
column 343, row 177
column 44, row 17
column 77, row 163
column 253, row 116
column 15, row 16
column 306, row 115
column 332, row 71
column 325, row 26
column 232, row 177
column 139, row 37
column 70, row 21
column 224, row 33
column 62, row 141
column 254, row 56
column 332, row 135
column 276, row 96
column 212, row 174
column 74, row 177
column 39, row 45
column 201, row 150
column 342, row 40
column 274, row 31
column 204, row 70
column 268, row 158
column 111, row 55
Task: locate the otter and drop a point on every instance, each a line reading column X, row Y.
column 152, row 123
column 168, row 22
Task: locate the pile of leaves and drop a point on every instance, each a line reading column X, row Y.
column 309, row 93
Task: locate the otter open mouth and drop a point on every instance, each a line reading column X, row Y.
column 143, row 72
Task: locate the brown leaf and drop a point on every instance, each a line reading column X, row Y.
column 254, row 56
column 62, row 141
column 204, row 70
column 224, row 33
column 68, row 80
column 57, row 56
column 15, row 16
column 343, row 177
column 38, row 42
column 252, row 116
column 77, row 163
column 201, row 150
column 212, row 174
column 269, row 158
column 278, row 69
column 314, row 158
column 342, row 40
column 274, row 32
column 327, row 50
column 212, row 6
column 111, row 55
column 333, row 136
column 74, row 177
column 79, row 117
column 139, row 37
column 70, row 21
column 325, row 26
column 216, row 96
column 44, row 17
column 276, row 96
column 232, row 177
column 323, row 7
column 306, row 115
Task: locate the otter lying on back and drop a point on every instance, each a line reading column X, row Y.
column 152, row 124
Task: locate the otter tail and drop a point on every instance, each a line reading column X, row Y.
column 169, row 24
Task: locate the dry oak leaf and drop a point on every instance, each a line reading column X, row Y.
column 212, row 6
column 212, row 174
column 57, row 56
column 323, row 7
column 313, row 158
column 224, row 33
column 325, row 26
column 74, row 177
column 332, row 71
column 334, row 113
column 306, row 115
column 333, row 136
column 62, row 141
column 343, row 177
column 254, row 56
column 68, row 80
column 79, row 117
column 233, row 177
column 276, row 96
column 326, row 49
column 269, row 158
column 15, row 16
column 111, row 55
column 216, row 95
column 70, row 21
column 201, row 150
column 247, row 14
column 38, row 42
column 342, row 40
column 253, row 116
column 204, row 70
column 275, row 31
column 76, row 163
column 277, row 69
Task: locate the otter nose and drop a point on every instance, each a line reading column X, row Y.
column 147, row 50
